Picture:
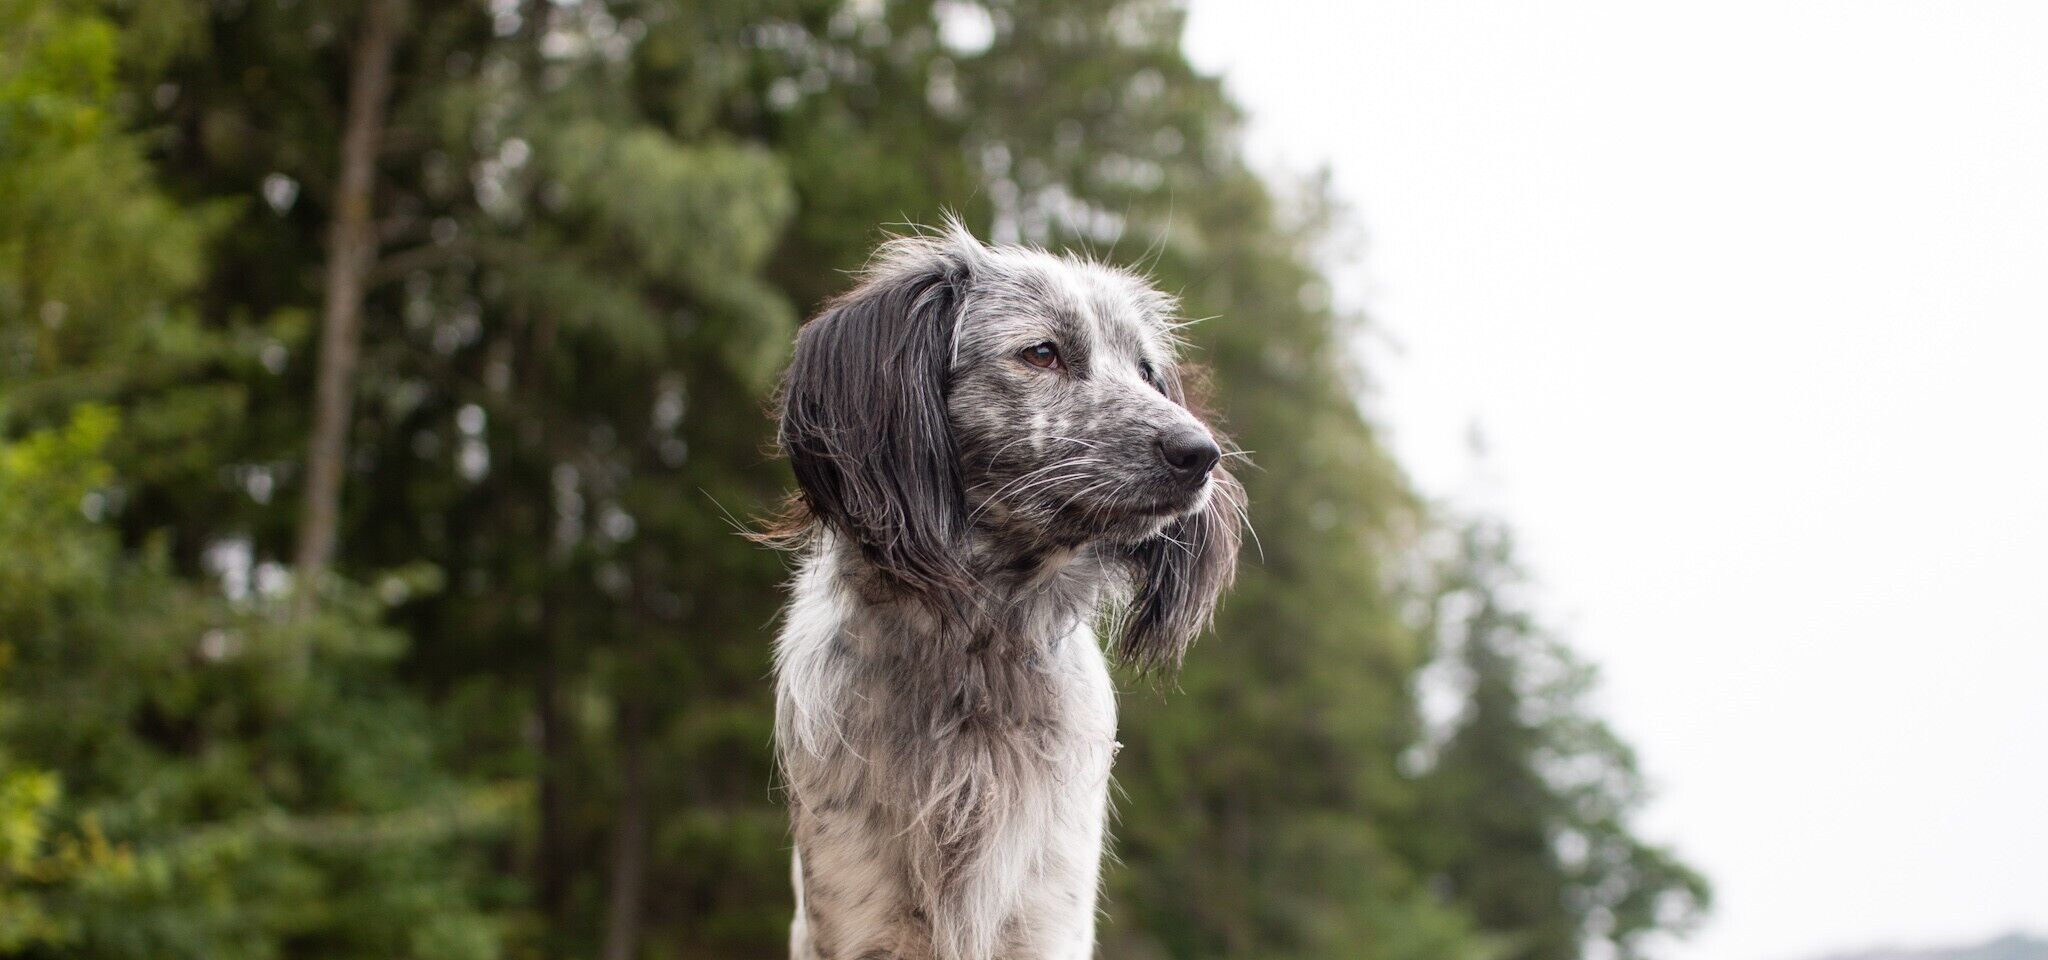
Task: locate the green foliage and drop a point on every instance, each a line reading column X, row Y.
column 77, row 206
column 42, row 479
column 1529, row 799
column 36, row 860
column 537, row 685
column 186, row 771
column 233, row 797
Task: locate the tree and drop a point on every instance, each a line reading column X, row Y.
column 186, row 772
column 1528, row 803
column 351, row 252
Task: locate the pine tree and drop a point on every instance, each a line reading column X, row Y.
column 1528, row 803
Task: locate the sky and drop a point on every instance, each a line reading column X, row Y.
column 1749, row 301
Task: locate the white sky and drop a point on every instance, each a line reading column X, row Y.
column 1751, row 301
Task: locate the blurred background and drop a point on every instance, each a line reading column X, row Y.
column 384, row 385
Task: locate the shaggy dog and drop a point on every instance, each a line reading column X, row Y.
column 994, row 452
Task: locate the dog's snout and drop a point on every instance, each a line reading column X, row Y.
column 1189, row 452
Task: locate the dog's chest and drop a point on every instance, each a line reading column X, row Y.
column 1038, row 711
column 949, row 791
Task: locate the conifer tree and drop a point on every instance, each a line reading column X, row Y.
column 1527, row 808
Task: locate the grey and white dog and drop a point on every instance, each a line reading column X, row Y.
column 994, row 452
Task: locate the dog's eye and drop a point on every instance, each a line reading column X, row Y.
column 1145, row 370
column 1042, row 355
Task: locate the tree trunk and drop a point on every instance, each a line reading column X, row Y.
column 351, row 251
column 629, row 837
column 552, row 859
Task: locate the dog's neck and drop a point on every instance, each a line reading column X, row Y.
column 1021, row 600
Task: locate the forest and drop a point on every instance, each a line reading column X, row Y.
column 384, row 394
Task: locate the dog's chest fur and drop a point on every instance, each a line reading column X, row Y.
column 949, row 785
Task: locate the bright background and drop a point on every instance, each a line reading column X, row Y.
column 1747, row 300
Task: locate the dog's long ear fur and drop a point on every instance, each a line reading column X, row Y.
column 864, row 414
column 1177, row 578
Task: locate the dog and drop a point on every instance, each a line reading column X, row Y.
column 993, row 451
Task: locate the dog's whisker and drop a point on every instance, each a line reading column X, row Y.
column 1034, row 485
column 1244, row 519
column 1184, row 324
column 1084, row 491
column 1005, row 448
column 1034, row 475
column 1056, row 465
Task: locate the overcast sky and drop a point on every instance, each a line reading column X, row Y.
column 1750, row 300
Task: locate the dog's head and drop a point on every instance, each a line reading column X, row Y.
column 1015, row 405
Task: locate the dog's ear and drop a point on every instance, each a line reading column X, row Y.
column 1178, row 577
column 864, row 413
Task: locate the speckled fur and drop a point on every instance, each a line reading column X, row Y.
column 945, row 718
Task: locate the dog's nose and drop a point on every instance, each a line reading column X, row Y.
column 1189, row 452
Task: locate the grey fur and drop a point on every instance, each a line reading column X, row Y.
column 945, row 719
